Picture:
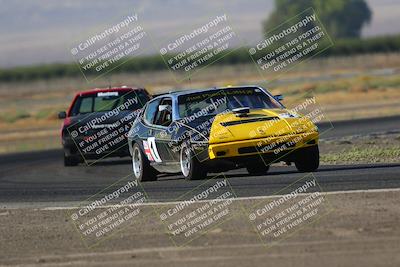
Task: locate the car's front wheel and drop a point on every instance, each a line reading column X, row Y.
column 191, row 167
column 259, row 168
column 142, row 170
column 307, row 159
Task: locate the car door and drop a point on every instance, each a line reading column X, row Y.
column 162, row 131
column 157, row 140
column 147, row 135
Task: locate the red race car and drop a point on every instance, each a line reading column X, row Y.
column 97, row 122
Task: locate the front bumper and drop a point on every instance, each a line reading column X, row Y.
column 275, row 144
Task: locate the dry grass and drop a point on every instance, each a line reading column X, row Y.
column 382, row 148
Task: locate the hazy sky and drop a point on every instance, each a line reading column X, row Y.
column 43, row 31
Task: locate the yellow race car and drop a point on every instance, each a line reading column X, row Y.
column 194, row 132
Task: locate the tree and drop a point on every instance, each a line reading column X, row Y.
column 341, row 18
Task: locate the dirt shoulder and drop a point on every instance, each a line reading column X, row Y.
column 371, row 148
column 361, row 229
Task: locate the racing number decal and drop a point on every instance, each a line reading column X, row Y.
column 150, row 149
column 153, row 149
column 147, row 150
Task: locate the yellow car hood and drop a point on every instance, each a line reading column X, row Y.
column 258, row 123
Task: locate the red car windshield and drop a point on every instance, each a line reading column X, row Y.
column 106, row 101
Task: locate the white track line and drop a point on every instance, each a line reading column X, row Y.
column 236, row 199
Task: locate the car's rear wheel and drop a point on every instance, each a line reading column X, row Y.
column 70, row 161
column 141, row 166
column 257, row 169
column 191, row 168
column 307, row 159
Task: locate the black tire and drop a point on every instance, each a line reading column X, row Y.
column 191, row 167
column 307, row 159
column 70, row 161
column 142, row 170
column 257, row 169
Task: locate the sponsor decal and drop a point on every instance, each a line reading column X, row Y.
column 99, row 94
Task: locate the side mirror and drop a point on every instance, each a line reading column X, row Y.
column 164, row 108
column 62, row 115
column 278, row 97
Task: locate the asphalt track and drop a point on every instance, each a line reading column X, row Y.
column 39, row 179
